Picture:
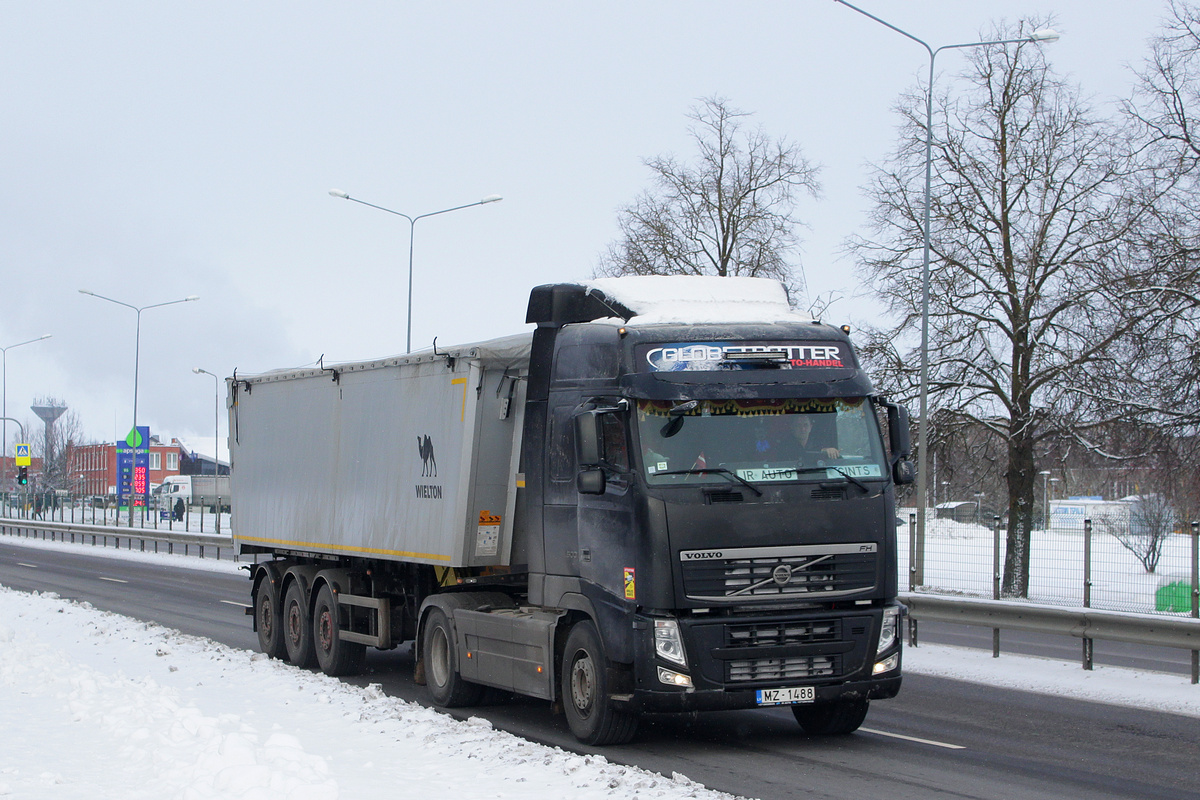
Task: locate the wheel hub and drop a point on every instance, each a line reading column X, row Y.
column 295, row 623
column 583, row 683
column 325, row 631
column 266, row 617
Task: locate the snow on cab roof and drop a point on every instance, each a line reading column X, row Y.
column 699, row 299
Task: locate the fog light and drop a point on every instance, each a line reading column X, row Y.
column 887, row 665
column 673, row 678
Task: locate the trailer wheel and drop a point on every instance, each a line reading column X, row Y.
column 835, row 718
column 297, row 629
column 268, row 619
column 585, row 691
column 446, row 686
column 335, row 656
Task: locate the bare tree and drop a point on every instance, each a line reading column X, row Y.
column 730, row 212
column 1032, row 210
column 1165, row 109
column 1144, row 529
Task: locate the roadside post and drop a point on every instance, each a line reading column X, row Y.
column 1195, row 595
column 996, row 579
column 1087, row 588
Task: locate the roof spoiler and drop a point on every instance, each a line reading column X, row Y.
column 556, row 304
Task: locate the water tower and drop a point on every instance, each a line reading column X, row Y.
column 48, row 413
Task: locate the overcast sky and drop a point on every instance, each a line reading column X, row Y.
column 152, row 151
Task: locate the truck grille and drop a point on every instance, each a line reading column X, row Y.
column 827, row 571
column 811, row 632
column 783, row 669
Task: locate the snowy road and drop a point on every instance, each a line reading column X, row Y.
column 967, row 738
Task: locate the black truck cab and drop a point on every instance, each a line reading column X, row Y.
column 719, row 500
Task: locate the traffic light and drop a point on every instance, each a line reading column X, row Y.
column 23, row 476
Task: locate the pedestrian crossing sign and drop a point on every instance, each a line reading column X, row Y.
column 23, row 459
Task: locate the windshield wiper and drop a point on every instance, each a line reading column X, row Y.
column 725, row 473
column 839, row 471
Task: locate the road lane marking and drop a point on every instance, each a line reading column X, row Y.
column 112, row 580
column 232, row 603
column 31, row 566
column 914, row 739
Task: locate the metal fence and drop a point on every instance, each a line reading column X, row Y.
column 91, row 510
column 1084, row 563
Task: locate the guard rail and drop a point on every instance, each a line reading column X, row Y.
column 102, row 535
column 1085, row 624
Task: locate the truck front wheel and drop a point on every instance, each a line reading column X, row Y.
column 335, row 656
column 297, row 629
column 268, row 619
column 446, row 686
column 585, row 691
column 835, row 718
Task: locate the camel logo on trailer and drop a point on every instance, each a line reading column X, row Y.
column 427, row 491
column 429, row 462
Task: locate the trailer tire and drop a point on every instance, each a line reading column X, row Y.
column 335, row 656
column 438, row 652
column 268, row 619
column 835, row 718
column 297, row 627
column 585, row 691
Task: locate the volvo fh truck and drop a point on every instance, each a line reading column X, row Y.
column 671, row 495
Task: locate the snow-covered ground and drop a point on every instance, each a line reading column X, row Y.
column 109, row 707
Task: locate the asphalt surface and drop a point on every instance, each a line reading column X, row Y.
column 939, row 739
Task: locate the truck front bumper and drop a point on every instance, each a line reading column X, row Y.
column 670, row 700
column 731, row 658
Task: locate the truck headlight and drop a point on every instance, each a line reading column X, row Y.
column 887, row 633
column 668, row 643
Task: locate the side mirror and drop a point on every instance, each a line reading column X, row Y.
column 898, row 435
column 590, row 481
column 587, row 439
column 904, row 472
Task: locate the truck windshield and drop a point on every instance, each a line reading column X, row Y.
column 760, row 441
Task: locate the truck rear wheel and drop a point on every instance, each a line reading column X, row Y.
column 446, row 686
column 335, row 656
column 585, row 691
column 835, row 718
column 268, row 619
column 297, row 629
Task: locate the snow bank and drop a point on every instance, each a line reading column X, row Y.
column 107, row 706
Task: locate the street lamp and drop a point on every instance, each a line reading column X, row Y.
column 137, row 343
column 1039, row 36
column 216, row 438
column 216, row 413
column 4, row 412
column 412, row 225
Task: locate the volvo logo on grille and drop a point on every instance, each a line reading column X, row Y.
column 782, row 574
column 701, row 555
